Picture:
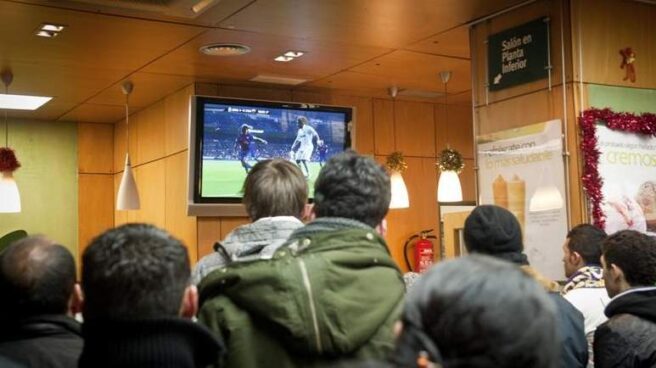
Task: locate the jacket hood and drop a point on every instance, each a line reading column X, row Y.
column 324, row 293
column 639, row 302
column 268, row 232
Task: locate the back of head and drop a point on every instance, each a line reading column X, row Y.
column 354, row 187
column 37, row 277
column 635, row 254
column 494, row 231
column 134, row 271
column 275, row 188
column 585, row 239
column 477, row 311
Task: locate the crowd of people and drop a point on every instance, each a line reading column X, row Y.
column 280, row 293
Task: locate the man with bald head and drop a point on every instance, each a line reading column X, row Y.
column 39, row 300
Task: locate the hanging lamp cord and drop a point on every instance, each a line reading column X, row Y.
column 127, row 122
column 6, row 121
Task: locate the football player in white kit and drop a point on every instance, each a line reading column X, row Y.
column 303, row 146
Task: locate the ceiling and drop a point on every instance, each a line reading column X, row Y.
column 358, row 46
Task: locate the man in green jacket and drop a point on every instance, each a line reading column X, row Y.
column 331, row 293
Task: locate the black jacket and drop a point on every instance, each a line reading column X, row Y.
column 47, row 341
column 574, row 346
column 154, row 343
column 628, row 338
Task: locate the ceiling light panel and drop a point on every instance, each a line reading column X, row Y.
column 289, row 56
column 22, row 102
column 49, row 30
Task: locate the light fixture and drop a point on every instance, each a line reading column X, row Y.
column 450, row 161
column 22, row 102
column 9, row 195
column 202, row 5
column 128, row 194
column 396, row 165
column 545, row 198
column 49, row 30
column 225, row 49
column 289, row 55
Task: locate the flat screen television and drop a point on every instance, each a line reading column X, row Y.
column 228, row 136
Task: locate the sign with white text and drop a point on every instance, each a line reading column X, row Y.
column 518, row 55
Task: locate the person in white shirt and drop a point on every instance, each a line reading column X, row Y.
column 304, row 144
column 585, row 283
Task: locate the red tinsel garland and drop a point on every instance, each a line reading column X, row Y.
column 627, row 122
column 8, row 161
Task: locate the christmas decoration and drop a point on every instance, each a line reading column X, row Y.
column 626, row 122
column 8, row 161
column 450, row 160
column 628, row 58
column 396, row 162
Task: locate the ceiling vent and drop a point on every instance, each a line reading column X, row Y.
column 225, row 49
column 278, row 80
column 176, row 8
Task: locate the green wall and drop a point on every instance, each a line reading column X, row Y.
column 622, row 99
column 47, row 180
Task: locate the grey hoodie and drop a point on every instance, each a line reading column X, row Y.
column 259, row 239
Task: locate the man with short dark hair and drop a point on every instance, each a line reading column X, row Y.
column 330, row 293
column 136, row 285
column 275, row 194
column 628, row 338
column 39, row 300
column 585, row 281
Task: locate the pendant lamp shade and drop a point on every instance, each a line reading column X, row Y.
column 448, row 187
column 128, row 194
column 399, row 191
column 127, row 197
column 9, row 196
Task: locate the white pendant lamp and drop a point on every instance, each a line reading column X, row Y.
column 399, row 191
column 128, row 194
column 448, row 187
column 9, row 195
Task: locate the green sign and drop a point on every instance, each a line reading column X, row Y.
column 518, row 55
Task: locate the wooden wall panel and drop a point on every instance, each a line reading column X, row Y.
column 95, row 206
column 95, row 148
column 384, row 140
column 415, row 128
column 151, row 133
column 421, row 181
column 176, row 120
column 230, row 223
column 364, row 122
column 468, row 181
column 254, row 93
column 209, row 232
column 604, row 28
column 151, row 179
column 176, row 220
column 454, row 130
column 120, row 140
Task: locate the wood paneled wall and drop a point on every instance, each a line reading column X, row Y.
column 159, row 141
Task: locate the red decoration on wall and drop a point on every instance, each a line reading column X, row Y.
column 627, row 122
column 8, row 161
column 628, row 58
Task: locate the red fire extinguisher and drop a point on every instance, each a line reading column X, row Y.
column 423, row 251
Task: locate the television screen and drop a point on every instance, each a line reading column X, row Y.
column 233, row 135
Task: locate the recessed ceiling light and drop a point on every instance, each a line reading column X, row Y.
column 22, row 102
column 49, row 30
column 202, row 5
column 294, row 54
column 283, row 58
column 225, row 49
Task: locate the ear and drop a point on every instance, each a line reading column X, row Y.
column 576, row 259
column 189, row 306
column 75, row 301
column 398, row 329
column 309, row 213
column 382, row 228
column 616, row 274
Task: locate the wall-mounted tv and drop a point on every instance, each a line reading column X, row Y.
column 228, row 136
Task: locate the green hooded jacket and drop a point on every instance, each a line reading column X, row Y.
column 331, row 293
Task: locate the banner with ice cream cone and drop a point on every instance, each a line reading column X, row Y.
column 522, row 170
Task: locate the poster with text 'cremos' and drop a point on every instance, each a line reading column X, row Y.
column 522, row 170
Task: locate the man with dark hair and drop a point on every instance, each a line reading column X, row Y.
column 136, row 285
column 477, row 312
column 275, row 194
column 628, row 338
column 39, row 300
column 245, row 143
column 330, row 293
column 303, row 145
column 585, row 281
column 495, row 231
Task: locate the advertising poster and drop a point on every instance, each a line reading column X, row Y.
column 627, row 164
column 522, row 170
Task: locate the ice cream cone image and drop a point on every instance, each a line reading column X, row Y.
column 517, row 199
column 500, row 192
